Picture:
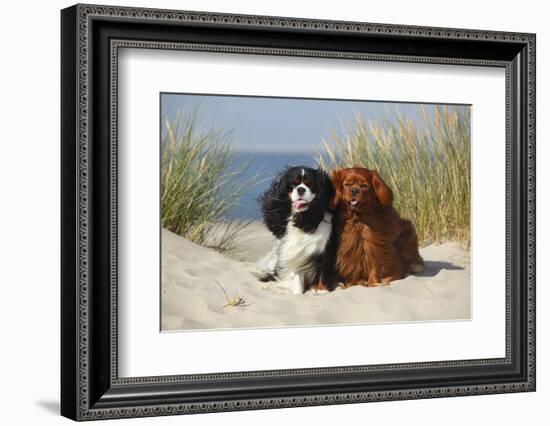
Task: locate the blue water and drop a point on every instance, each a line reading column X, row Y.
column 266, row 165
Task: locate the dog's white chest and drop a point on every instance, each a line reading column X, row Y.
column 298, row 247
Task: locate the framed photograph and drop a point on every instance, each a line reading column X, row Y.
column 264, row 212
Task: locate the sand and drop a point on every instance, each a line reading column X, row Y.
column 192, row 299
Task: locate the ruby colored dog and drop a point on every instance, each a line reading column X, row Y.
column 375, row 245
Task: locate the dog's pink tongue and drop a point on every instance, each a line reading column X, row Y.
column 298, row 204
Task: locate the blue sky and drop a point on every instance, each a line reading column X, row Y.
column 280, row 125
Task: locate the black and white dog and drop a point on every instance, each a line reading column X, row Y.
column 296, row 210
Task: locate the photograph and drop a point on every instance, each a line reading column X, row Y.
column 299, row 212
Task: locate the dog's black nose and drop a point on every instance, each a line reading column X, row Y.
column 301, row 191
column 354, row 192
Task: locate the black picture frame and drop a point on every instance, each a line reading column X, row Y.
column 90, row 386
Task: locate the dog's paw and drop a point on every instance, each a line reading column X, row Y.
column 344, row 286
column 319, row 288
column 266, row 278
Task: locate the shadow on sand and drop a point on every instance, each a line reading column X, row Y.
column 432, row 268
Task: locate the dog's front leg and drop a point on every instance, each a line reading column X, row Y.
column 296, row 284
column 327, row 281
column 374, row 278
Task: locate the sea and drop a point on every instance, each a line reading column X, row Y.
column 265, row 166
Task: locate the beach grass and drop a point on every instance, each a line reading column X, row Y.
column 199, row 182
column 427, row 165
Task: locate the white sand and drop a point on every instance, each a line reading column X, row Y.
column 191, row 299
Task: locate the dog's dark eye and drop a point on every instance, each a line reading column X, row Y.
column 347, row 184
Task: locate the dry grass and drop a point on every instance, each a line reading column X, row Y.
column 198, row 183
column 427, row 166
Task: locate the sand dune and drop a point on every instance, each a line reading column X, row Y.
column 192, row 299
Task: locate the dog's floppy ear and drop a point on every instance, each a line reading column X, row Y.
column 326, row 189
column 337, row 177
column 275, row 205
column 383, row 192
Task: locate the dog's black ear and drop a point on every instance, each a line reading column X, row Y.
column 326, row 191
column 275, row 205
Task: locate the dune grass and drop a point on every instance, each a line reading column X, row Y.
column 199, row 183
column 427, row 166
